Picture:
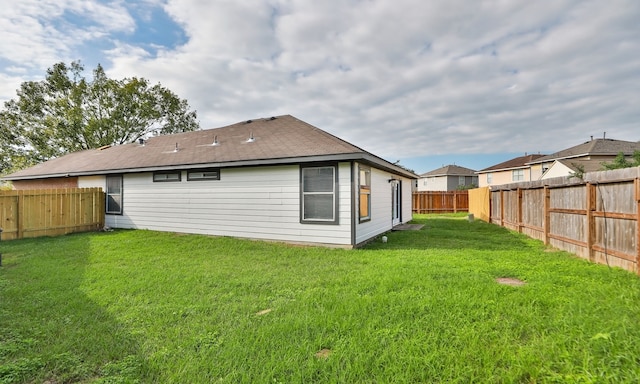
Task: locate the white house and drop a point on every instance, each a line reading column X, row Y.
column 277, row 178
column 447, row 178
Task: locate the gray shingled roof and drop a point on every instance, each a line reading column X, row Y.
column 595, row 147
column 587, row 165
column 450, row 170
column 515, row 163
column 277, row 140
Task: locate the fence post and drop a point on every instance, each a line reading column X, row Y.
column 591, row 220
column 519, row 218
column 455, row 201
column 547, row 215
column 502, row 207
column 637, row 197
column 19, row 215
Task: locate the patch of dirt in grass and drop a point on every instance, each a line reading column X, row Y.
column 323, row 354
column 263, row 312
column 510, row 281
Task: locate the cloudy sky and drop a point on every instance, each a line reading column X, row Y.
column 426, row 82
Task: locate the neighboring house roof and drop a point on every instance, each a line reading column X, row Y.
column 595, row 147
column 515, row 163
column 450, row 170
column 571, row 167
column 586, row 165
column 276, row 140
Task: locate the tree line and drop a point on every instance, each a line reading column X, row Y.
column 66, row 112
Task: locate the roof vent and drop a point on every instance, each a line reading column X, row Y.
column 176, row 149
column 251, row 139
column 104, row 147
column 215, row 141
column 249, row 121
column 141, row 141
column 272, row 118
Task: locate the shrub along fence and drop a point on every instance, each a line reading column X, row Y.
column 440, row 201
column 596, row 218
column 50, row 212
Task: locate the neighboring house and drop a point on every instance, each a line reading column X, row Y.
column 564, row 167
column 275, row 179
column 447, row 178
column 510, row 171
column 585, row 157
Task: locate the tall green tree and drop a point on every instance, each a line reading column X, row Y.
column 621, row 161
column 66, row 112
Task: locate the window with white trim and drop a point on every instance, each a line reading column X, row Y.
column 517, row 175
column 114, row 195
column 318, row 190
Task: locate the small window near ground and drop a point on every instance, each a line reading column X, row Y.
column 319, row 195
column 167, row 176
column 364, row 183
column 114, row 195
column 203, row 174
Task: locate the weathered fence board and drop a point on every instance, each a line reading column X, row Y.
column 595, row 218
column 50, row 212
column 440, row 201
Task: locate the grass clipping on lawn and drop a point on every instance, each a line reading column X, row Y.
column 141, row 306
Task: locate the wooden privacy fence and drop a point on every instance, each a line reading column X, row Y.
column 440, row 201
column 596, row 218
column 50, row 212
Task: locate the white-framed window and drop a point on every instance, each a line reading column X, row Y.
column 165, row 176
column 203, row 174
column 114, row 195
column 489, row 178
column 517, row 175
column 364, row 183
column 461, row 180
column 318, row 194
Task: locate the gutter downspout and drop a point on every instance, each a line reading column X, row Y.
column 353, row 205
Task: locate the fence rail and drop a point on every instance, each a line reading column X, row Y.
column 50, row 212
column 440, row 201
column 597, row 219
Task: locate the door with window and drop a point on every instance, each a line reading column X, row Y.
column 396, row 202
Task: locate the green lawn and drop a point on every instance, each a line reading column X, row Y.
column 150, row 307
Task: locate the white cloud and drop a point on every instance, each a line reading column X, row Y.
column 402, row 79
column 36, row 33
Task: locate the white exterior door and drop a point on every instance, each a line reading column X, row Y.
column 395, row 202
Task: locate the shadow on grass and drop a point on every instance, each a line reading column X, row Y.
column 453, row 233
column 51, row 331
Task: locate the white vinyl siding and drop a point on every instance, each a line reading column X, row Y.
column 381, row 205
column 255, row 202
column 433, row 183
